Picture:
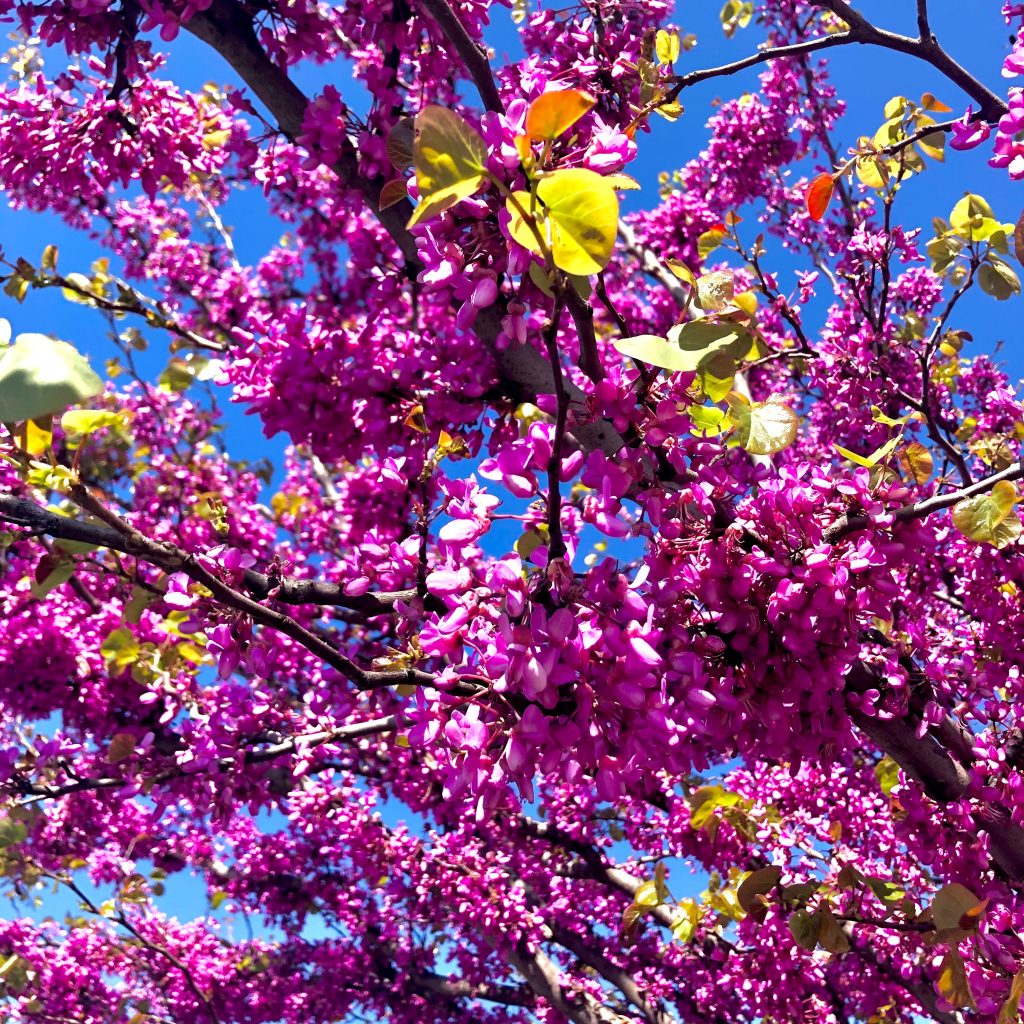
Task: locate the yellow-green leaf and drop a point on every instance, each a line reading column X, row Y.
column 582, row 218
column 980, row 517
column 1009, row 1013
column 763, row 428
column 666, row 46
column 449, row 157
column 40, row 376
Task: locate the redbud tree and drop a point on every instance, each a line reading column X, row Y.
column 633, row 630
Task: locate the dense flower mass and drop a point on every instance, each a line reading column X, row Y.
column 631, row 630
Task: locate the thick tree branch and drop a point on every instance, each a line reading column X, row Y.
column 471, row 53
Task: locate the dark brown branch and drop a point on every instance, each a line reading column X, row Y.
column 288, row 590
column 921, row 509
column 556, row 543
column 592, row 956
column 357, row 730
column 471, row 53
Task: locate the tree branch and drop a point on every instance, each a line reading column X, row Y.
column 471, row 53
column 286, row 589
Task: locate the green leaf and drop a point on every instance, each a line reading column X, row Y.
column 120, row 649
column 998, row 279
column 708, row 799
column 763, row 428
column 449, row 157
column 50, row 574
column 952, row 904
column 831, row 936
column 40, row 376
column 757, row 883
column 982, row 517
column 122, row 746
column 11, row 832
column 805, row 928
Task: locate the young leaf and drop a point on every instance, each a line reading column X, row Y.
column 582, row 218
column 554, row 112
column 819, row 195
column 666, row 46
column 1009, row 1013
column 981, row 518
column 40, row 376
column 449, row 158
column 872, row 460
column 998, row 279
column 919, row 461
column 763, row 428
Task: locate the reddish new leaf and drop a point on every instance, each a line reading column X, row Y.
column 819, row 195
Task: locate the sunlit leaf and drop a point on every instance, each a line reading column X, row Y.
column 554, row 112
column 578, row 217
column 980, row 518
column 887, row 772
column 666, row 46
column 919, row 462
column 763, row 428
column 449, row 157
column 40, row 376
column 872, row 460
column 819, row 195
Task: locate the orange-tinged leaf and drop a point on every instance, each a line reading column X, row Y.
column 929, row 102
column 554, row 112
column 819, row 194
